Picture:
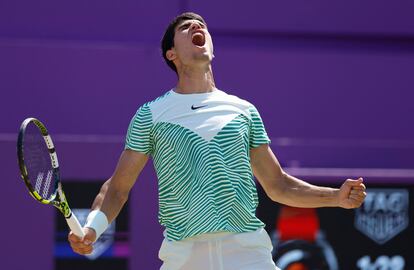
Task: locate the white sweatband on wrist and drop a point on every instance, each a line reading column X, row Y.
column 98, row 221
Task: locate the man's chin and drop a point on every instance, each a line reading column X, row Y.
column 204, row 57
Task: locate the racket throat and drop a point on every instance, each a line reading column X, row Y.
column 62, row 204
column 63, row 208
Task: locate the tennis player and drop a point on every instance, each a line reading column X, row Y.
column 206, row 145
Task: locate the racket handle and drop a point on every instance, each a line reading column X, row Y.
column 75, row 226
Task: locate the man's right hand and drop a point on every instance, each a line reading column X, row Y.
column 82, row 246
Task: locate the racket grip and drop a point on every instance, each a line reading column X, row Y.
column 75, row 226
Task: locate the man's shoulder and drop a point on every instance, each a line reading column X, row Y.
column 146, row 109
column 158, row 99
column 243, row 103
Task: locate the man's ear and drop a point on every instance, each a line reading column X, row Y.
column 170, row 54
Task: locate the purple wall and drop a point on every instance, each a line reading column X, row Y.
column 333, row 82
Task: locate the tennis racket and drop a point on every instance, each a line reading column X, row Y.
column 39, row 168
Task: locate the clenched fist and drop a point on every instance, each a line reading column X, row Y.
column 352, row 193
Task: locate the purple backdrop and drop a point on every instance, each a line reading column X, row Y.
column 333, row 82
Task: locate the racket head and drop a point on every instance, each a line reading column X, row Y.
column 38, row 163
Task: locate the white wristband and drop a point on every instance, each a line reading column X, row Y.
column 98, row 221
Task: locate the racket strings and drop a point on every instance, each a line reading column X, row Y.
column 46, row 184
column 38, row 163
column 39, row 180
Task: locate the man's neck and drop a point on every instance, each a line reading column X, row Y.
column 192, row 81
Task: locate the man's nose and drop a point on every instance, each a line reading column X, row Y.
column 195, row 26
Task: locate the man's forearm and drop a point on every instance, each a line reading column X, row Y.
column 114, row 192
column 297, row 193
column 97, row 203
column 109, row 201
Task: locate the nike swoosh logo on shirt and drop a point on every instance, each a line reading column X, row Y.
column 197, row 107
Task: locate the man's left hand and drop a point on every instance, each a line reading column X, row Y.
column 352, row 193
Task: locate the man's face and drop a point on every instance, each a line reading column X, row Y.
column 192, row 44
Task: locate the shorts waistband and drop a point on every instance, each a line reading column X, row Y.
column 210, row 236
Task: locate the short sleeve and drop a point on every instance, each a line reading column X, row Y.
column 139, row 131
column 258, row 135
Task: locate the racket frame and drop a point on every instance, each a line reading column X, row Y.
column 58, row 198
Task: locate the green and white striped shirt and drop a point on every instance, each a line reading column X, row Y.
column 200, row 144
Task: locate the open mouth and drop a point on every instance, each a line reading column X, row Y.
column 198, row 39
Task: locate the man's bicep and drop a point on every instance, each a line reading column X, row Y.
column 263, row 158
column 129, row 166
column 265, row 167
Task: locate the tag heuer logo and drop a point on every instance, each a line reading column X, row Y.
column 384, row 214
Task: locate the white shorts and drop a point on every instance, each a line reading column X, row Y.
column 219, row 251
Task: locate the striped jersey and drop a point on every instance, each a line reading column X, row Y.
column 200, row 145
